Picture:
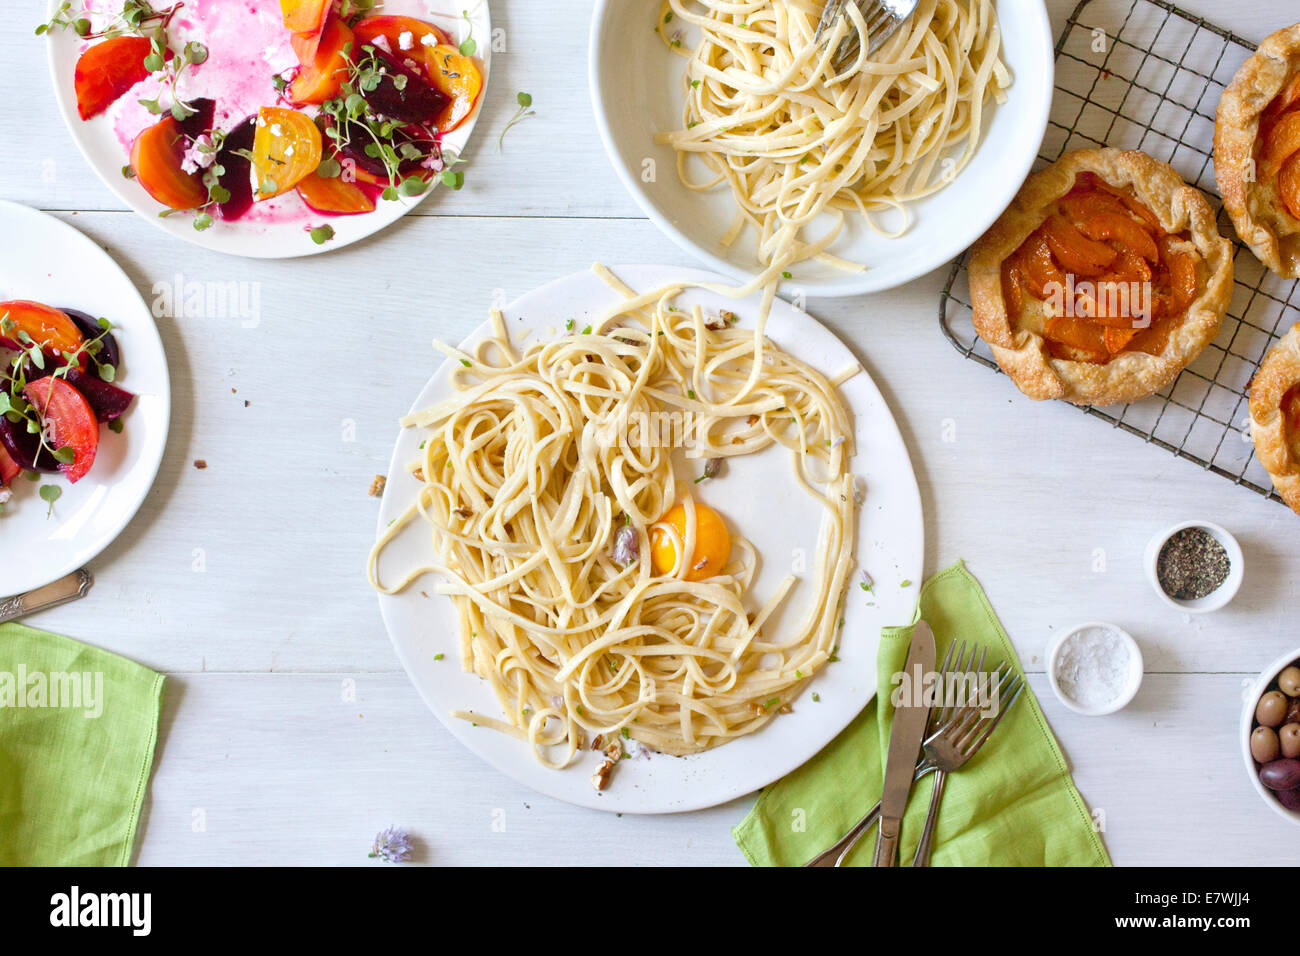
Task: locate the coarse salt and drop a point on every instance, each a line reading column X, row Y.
column 1093, row 666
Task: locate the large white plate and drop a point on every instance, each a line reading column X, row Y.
column 51, row 262
column 99, row 142
column 758, row 495
column 636, row 89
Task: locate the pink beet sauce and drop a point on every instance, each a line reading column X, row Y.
column 247, row 46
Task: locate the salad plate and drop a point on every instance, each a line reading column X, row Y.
column 170, row 104
column 761, row 497
column 57, row 525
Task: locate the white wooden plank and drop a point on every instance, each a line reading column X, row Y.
column 280, row 769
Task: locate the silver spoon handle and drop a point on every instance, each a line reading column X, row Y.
column 70, row 588
column 922, row 857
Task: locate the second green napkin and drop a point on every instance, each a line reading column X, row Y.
column 77, row 732
column 1014, row 804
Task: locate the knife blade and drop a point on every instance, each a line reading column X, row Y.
column 904, row 744
column 62, row 591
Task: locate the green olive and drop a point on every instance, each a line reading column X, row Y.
column 1264, row 743
column 1289, row 740
column 1272, row 709
column 1289, row 681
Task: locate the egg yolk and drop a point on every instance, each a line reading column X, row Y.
column 712, row 543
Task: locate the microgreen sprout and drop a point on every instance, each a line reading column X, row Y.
column 525, row 101
column 137, row 18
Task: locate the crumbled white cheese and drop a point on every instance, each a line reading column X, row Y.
column 406, row 40
column 381, row 42
column 277, row 130
column 428, row 40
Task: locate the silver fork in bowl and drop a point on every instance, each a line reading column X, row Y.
column 963, row 736
column 834, row 855
column 883, row 18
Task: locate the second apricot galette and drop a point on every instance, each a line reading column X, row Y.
column 1102, row 281
column 1257, row 151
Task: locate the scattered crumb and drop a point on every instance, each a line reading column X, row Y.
column 377, row 486
column 200, row 463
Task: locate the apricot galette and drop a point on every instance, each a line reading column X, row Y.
column 1275, row 416
column 1103, row 279
column 1257, row 151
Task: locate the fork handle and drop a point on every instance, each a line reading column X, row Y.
column 922, row 857
column 836, row 854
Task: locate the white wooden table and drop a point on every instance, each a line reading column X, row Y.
column 243, row 582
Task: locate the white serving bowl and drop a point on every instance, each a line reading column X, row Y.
column 1130, row 688
column 1256, row 691
column 1216, row 599
column 636, row 93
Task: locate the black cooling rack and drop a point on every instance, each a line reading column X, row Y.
column 1144, row 74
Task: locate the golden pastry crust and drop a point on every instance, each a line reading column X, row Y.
column 1129, row 376
column 1275, row 449
column 1258, row 213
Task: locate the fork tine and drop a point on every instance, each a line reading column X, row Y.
column 1004, row 680
column 1002, row 712
column 880, row 37
column 947, row 662
column 936, row 712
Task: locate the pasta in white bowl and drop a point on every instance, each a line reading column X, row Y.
column 738, row 136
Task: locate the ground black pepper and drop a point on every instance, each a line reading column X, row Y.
column 1192, row 565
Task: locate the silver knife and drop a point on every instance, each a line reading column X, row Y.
column 904, row 745
column 70, row 588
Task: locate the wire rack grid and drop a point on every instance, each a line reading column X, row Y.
column 1144, row 74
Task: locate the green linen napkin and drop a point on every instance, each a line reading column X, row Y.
column 1013, row 804
column 77, row 733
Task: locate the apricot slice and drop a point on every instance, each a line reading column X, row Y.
column 1070, row 353
column 1288, row 185
column 1076, row 333
column 1182, row 276
column 1122, row 229
column 1118, row 339
column 1281, row 143
column 1042, row 276
column 1074, row 251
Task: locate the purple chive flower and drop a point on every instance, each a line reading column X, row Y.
column 393, row 845
column 627, row 546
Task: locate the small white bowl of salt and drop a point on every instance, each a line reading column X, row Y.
column 1095, row 668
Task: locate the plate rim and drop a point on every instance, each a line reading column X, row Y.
column 152, row 464
column 871, row 280
column 779, row 768
column 205, row 240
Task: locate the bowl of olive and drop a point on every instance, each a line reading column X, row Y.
column 1270, row 726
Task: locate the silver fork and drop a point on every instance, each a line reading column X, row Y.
column 883, row 18
column 835, row 854
column 963, row 736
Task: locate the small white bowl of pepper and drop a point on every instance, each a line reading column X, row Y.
column 1195, row 566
